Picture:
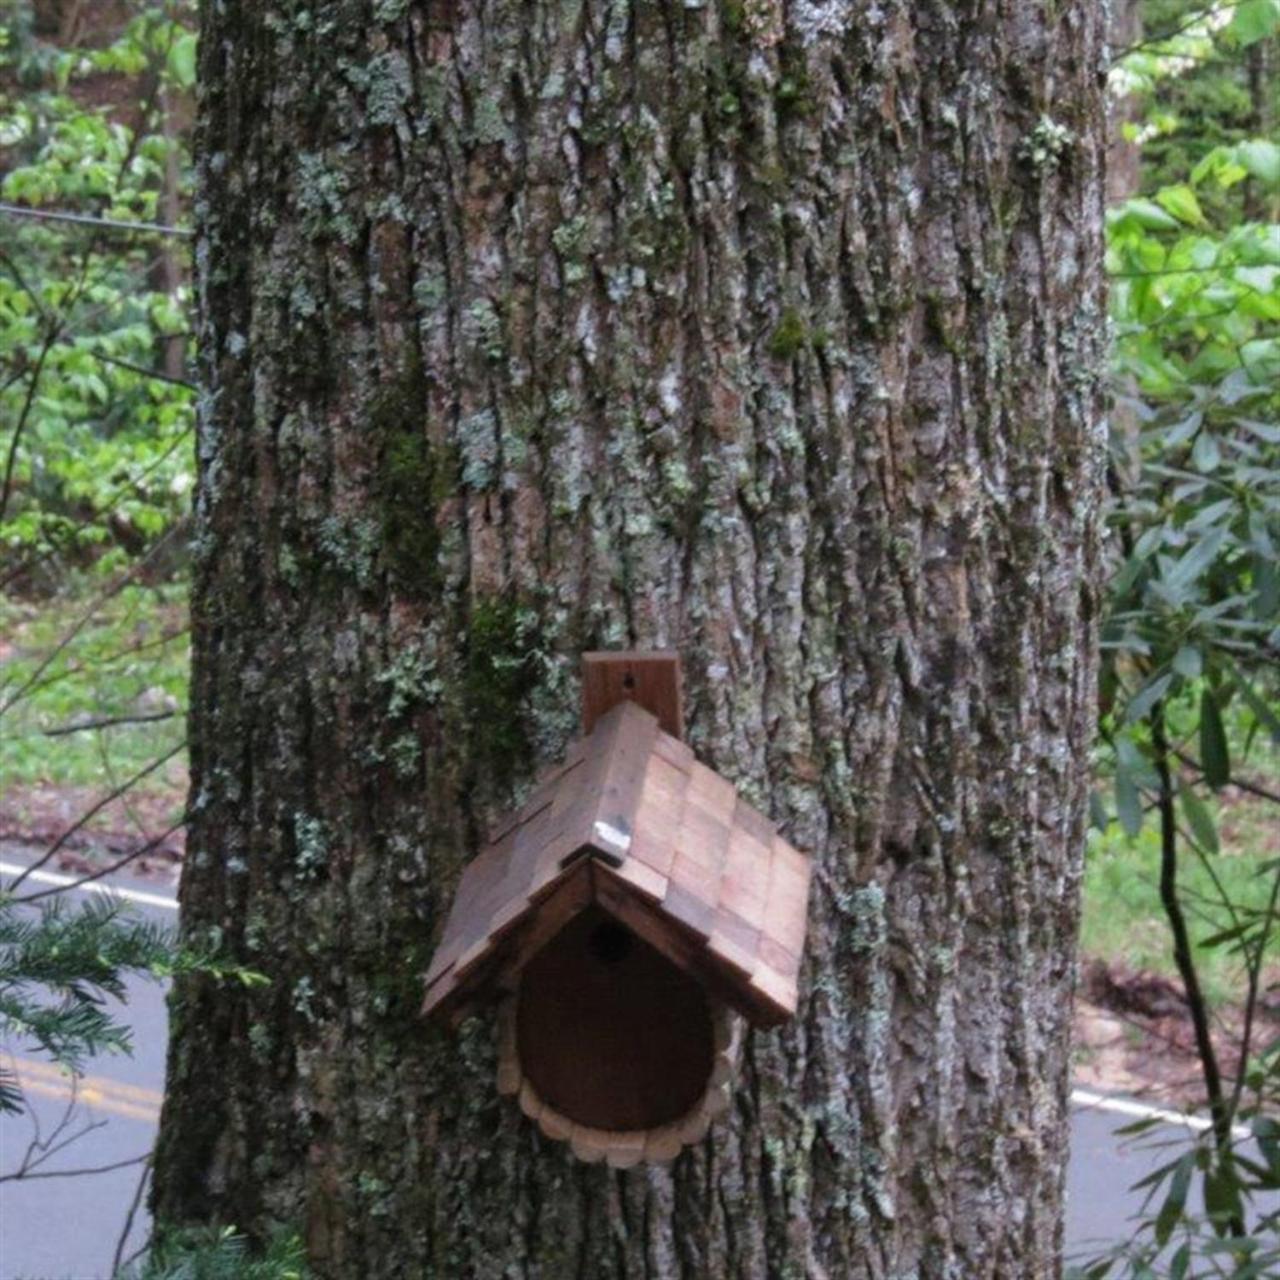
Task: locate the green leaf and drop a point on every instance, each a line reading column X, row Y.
column 182, row 60
column 1175, row 1201
column 1222, row 1194
column 1206, row 455
column 1136, row 1127
column 1099, row 818
column 1147, row 697
column 1200, row 820
column 1261, row 158
column 1181, row 201
column 1267, row 717
column 1188, row 662
column 1150, row 215
column 1128, row 803
column 1215, row 758
column 1255, row 20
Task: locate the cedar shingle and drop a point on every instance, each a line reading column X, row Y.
column 697, row 860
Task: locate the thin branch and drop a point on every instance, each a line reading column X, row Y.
column 40, row 1148
column 1187, row 23
column 1242, row 784
column 103, row 871
column 132, row 483
column 85, row 220
column 20, row 426
column 155, row 374
column 99, row 664
column 107, row 722
column 1182, row 953
column 83, row 621
column 75, row 1173
column 1256, row 961
column 118, row 1256
column 82, row 820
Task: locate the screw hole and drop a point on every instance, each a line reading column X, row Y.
column 610, row 942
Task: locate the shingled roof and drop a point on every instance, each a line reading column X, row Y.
column 631, row 822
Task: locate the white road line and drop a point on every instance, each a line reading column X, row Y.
column 94, row 886
column 1140, row 1111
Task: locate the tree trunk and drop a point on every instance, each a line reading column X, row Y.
column 768, row 333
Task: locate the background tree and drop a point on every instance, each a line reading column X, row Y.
column 770, row 334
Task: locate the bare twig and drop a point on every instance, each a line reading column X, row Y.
column 156, row 374
column 1244, row 784
column 76, row 1173
column 118, row 1255
column 23, row 415
column 84, row 818
column 107, row 722
column 1182, row 955
column 85, row 220
column 113, row 589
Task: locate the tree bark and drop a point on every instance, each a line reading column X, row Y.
column 770, row 333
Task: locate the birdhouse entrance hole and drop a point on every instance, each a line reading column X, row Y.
column 610, row 1033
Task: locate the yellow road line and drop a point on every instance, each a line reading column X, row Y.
column 97, row 1092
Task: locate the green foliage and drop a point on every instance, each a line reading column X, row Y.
column 58, row 967
column 118, row 667
column 218, row 1253
column 92, row 462
column 1192, row 635
column 1190, row 76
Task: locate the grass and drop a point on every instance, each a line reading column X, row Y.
column 66, row 663
column 1123, row 920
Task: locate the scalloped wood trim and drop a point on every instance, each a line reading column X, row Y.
column 623, row 1150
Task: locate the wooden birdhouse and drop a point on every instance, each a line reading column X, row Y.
column 624, row 919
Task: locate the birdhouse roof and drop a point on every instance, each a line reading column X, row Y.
column 630, row 821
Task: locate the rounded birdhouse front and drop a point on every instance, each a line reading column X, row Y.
column 614, row 1048
column 624, row 917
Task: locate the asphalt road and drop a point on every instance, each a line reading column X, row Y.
column 70, row 1228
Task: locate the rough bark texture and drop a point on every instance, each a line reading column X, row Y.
column 766, row 331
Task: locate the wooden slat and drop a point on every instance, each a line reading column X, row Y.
column 589, row 1145
column 744, row 888
column 734, row 942
column 625, row 1149
column 555, row 1126
column 778, row 958
column 659, row 814
column 673, row 751
column 713, row 794
column 688, row 909
column 650, row 678
column 663, row 1144
column 788, row 912
column 779, row 995
column 622, row 784
column 644, row 879
column 530, row 1103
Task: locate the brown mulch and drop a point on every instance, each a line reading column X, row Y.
column 1133, row 1035
column 38, row 816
